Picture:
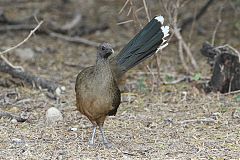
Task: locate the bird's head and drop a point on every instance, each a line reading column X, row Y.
column 105, row 50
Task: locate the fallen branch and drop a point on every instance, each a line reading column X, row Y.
column 73, row 27
column 27, row 27
column 68, row 26
column 33, row 80
column 21, row 118
column 10, row 64
column 74, row 39
column 199, row 14
column 179, row 80
column 203, row 120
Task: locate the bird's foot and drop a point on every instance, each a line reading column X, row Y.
column 91, row 143
column 107, row 144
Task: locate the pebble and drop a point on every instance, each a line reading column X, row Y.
column 53, row 115
column 73, row 129
column 16, row 140
column 14, row 121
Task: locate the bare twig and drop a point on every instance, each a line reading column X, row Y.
column 203, row 120
column 180, row 49
column 129, row 11
column 217, row 25
column 154, row 78
column 158, row 69
column 19, row 44
column 232, row 92
column 120, row 23
column 182, row 44
column 178, row 77
column 10, row 64
column 157, row 80
column 134, row 14
column 232, row 48
column 22, row 42
column 125, row 4
column 182, row 79
column 73, row 23
column 18, row 71
column 139, row 9
column 69, row 25
column 146, row 10
column 199, row 14
column 230, row 84
column 215, row 31
column 185, row 47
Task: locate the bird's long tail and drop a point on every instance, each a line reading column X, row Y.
column 148, row 41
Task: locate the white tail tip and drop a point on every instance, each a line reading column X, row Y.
column 165, row 31
column 160, row 19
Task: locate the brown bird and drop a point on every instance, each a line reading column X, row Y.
column 97, row 92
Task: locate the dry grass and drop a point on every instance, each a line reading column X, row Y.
column 152, row 126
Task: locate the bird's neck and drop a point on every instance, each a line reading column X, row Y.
column 101, row 62
column 103, row 69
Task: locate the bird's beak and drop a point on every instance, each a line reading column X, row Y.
column 109, row 53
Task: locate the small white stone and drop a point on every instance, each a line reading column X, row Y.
column 53, row 115
column 25, row 115
column 236, row 114
column 58, row 91
column 13, row 120
column 63, row 88
column 159, row 19
column 73, row 129
column 16, row 140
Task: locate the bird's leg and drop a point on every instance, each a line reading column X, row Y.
column 91, row 141
column 105, row 142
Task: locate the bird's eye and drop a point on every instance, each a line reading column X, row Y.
column 103, row 48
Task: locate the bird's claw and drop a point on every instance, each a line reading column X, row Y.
column 91, row 143
column 107, row 144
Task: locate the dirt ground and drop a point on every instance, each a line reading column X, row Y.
column 170, row 122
